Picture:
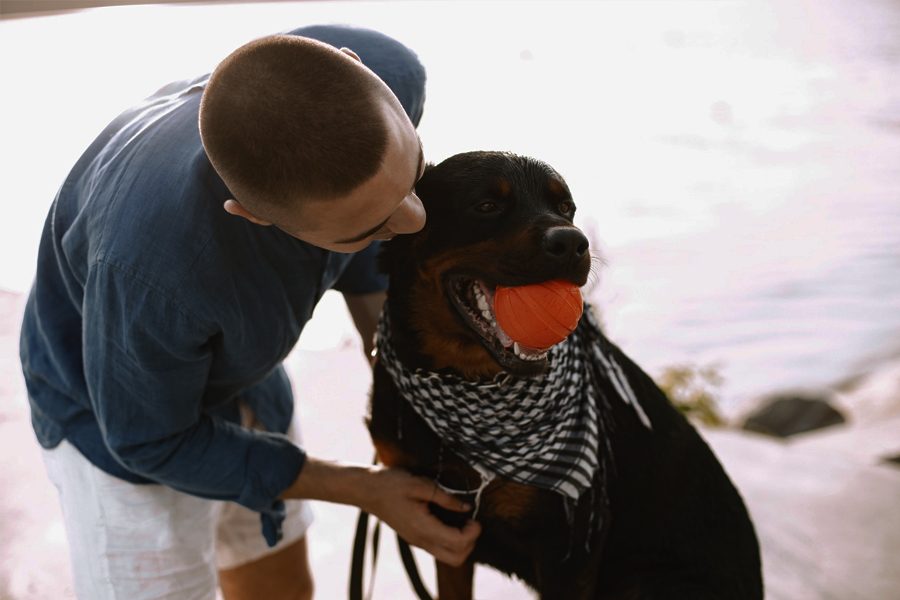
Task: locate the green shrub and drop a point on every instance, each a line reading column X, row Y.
column 694, row 392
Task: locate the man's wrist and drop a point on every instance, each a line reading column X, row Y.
column 332, row 482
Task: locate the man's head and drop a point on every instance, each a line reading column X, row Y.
column 309, row 139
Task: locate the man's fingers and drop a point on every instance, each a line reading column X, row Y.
column 470, row 531
column 445, row 500
column 405, row 508
column 460, row 541
column 423, row 489
column 458, row 550
column 445, row 541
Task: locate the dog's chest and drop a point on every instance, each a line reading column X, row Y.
column 403, row 439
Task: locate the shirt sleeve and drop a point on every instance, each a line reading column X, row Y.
column 361, row 275
column 146, row 360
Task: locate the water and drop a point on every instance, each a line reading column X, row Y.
column 774, row 225
column 736, row 163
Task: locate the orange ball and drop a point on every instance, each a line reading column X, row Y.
column 539, row 315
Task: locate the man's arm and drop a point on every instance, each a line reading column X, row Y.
column 394, row 496
column 146, row 366
column 365, row 309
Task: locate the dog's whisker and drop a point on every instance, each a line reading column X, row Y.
column 597, row 263
column 599, row 260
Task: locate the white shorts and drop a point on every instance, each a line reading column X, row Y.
column 142, row 542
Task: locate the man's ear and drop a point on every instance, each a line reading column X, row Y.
column 351, row 54
column 233, row 207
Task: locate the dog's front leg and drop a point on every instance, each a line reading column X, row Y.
column 455, row 583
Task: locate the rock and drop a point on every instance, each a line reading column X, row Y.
column 892, row 460
column 784, row 415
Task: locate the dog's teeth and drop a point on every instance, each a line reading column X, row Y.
column 522, row 354
column 482, row 303
column 505, row 340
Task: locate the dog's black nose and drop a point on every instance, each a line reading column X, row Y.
column 564, row 243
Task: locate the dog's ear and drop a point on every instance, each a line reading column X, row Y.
column 396, row 254
column 398, row 251
column 425, row 187
column 429, row 166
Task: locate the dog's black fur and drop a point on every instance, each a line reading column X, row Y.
column 673, row 525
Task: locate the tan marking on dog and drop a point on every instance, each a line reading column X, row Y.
column 502, row 187
column 444, row 338
column 390, row 454
column 509, row 500
column 557, row 188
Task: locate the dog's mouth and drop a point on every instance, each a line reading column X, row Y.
column 474, row 301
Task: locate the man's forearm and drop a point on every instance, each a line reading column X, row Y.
column 331, row 482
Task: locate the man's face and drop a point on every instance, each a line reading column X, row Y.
column 382, row 207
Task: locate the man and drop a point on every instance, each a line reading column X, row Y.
column 178, row 265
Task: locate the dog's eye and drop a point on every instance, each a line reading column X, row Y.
column 487, row 207
column 566, row 208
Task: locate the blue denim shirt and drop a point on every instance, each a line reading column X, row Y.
column 154, row 312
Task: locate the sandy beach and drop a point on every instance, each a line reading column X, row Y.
column 823, row 503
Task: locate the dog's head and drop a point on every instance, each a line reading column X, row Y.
column 492, row 219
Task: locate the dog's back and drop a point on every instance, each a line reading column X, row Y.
column 679, row 528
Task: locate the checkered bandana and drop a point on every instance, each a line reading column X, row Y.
column 541, row 431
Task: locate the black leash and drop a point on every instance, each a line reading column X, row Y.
column 412, row 570
column 359, row 557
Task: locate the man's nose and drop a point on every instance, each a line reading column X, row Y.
column 409, row 216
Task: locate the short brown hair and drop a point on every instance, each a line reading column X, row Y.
column 287, row 117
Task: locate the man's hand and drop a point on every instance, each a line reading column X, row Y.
column 401, row 500
column 397, row 498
